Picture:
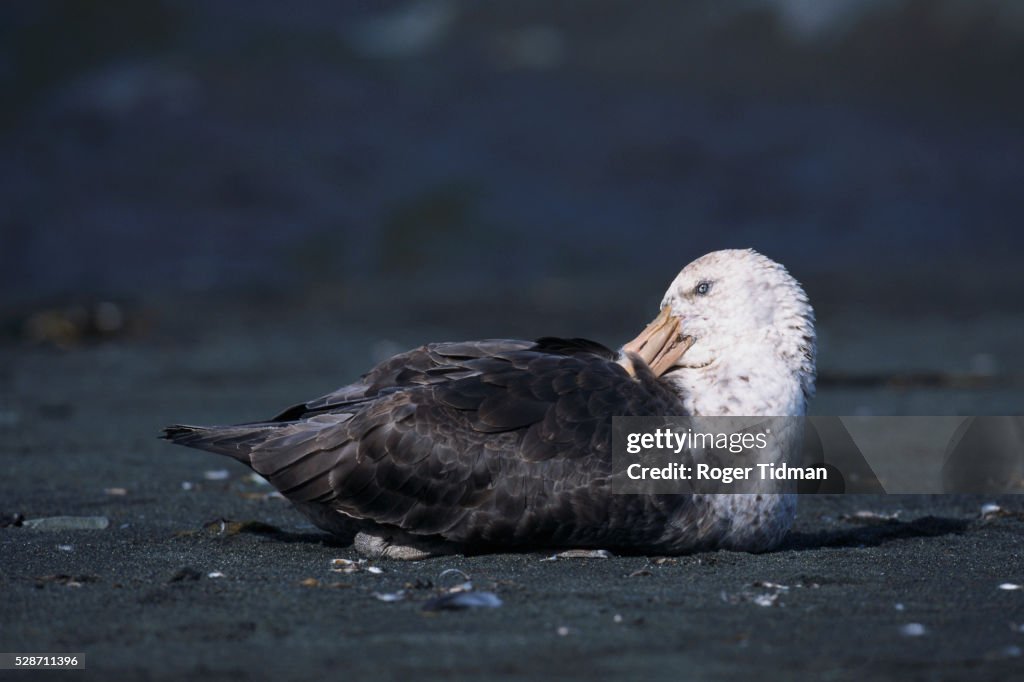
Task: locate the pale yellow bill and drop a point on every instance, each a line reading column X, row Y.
column 660, row 344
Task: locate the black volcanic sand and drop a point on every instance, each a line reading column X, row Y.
column 137, row 599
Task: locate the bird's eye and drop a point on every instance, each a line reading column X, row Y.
column 703, row 288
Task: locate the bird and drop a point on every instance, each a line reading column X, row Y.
column 505, row 445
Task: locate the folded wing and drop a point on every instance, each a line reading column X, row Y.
column 478, row 442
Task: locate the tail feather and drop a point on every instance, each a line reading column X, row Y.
column 234, row 441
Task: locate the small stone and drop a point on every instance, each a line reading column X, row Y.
column 374, row 569
column 216, row 475
column 68, row 523
column 585, row 554
column 310, row 582
column 990, row 509
column 215, row 574
column 913, row 630
column 869, row 517
column 562, row 631
column 390, row 596
column 346, row 569
column 771, row 586
column 457, row 601
column 66, row 580
column 345, row 565
column 116, row 492
column 1009, row 586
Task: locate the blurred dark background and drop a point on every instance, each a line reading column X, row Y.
column 504, row 168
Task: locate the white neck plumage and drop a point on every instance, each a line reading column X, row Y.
column 748, row 384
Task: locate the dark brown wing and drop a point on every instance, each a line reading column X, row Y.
column 429, row 364
column 482, row 443
column 518, row 452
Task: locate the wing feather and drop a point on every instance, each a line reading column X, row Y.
column 480, row 442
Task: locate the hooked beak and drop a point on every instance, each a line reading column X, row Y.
column 661, row 344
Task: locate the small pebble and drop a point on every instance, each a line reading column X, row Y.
column 912, row 630
column 66, row 548
column 771, row 586
column 585, row 554
column 374, row 569
column 346, row 569
column 457, row 601
column 346, row 565
column 898, row 606
column 562, row 631
column 390, row 596
column 66, row 580
column 187, row 485
column 215, row 574
column 617, row 618
column 868, row 516
column 68, row 523
column 1009, row 586
column 990, row 509
column 216, row 475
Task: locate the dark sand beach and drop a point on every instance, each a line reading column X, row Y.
column 839, row 600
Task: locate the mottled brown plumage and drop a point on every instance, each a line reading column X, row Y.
column 479, row 443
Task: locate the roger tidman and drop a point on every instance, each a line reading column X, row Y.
column 766, row 471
